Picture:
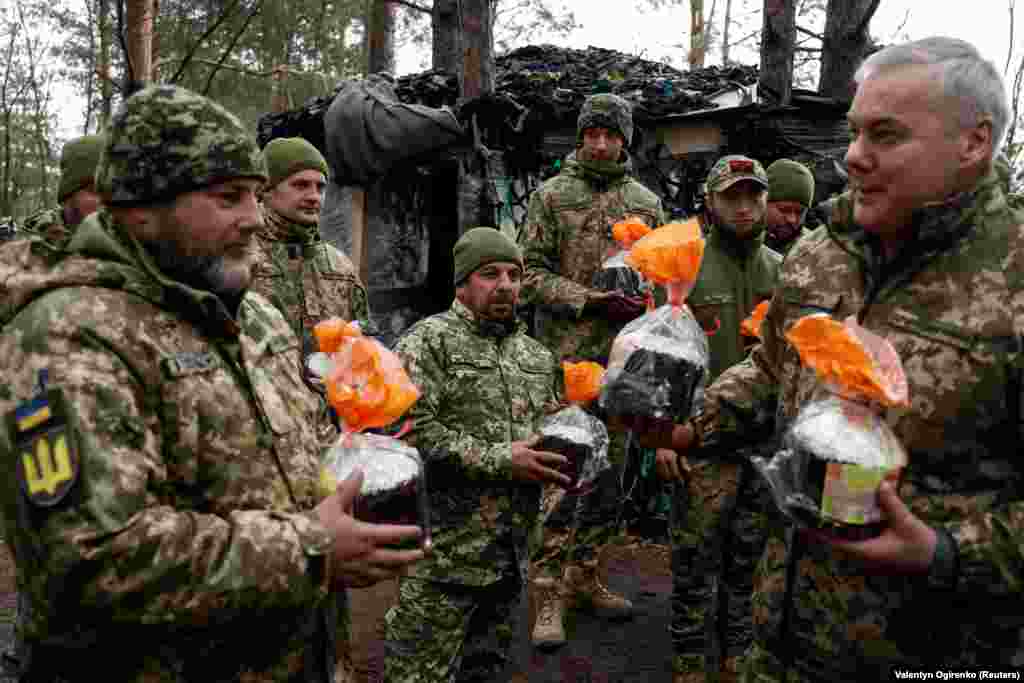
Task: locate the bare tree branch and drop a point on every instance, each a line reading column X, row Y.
column 413, row 5
column 206, row 34
column 231, row 46
column 801, row 29
column 1009, row 50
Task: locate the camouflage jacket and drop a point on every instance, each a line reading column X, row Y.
column 305, row 277
column 567, row 236
column 160, row 478
column 48, row 224
column 735, row 276
column 478, row 395
column 953, row 307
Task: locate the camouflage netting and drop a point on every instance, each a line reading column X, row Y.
column 537, row 87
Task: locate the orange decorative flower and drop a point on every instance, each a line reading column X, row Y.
column 368, row 386
column 859, row 363
column 582, row 381
column 751, row 327
column 671, row 256
column 331, row 333
column 627, row 232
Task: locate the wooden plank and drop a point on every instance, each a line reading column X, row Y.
column 689, row 138
column 360, row 235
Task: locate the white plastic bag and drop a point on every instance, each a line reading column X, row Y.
column 582, row 439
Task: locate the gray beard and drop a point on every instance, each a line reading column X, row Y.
column 206, row 273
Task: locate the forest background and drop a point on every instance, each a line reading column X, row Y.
column 66, row 64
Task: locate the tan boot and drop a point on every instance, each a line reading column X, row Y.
column 585, row 586
column 548, row 631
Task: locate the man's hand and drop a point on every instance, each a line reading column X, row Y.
column 615, row 306
column 906, row 546
column 360, row 556
column 670, row 465
column 538, row 466
column 655, row 433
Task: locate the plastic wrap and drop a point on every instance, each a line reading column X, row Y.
column 657, row 366
column 615, row 273
column 839, row 449
column 582, row 439
column 367, row 387
column 394, row 489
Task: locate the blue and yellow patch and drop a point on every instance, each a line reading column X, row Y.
column 47, row 459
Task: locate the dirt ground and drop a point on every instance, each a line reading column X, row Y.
column 634, row 651
column 598, row 651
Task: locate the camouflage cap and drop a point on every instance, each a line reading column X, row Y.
column 78, row 164
column 166, row 140
column 606, row 111
column 733, row 168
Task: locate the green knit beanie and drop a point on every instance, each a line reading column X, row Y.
column 285, row 156
column 78, row 162
column 790, row 181
column 481, row 246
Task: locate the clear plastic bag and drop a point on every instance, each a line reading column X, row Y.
column 394, row 489
column 367, row 386
column 615, row 273
column 839, row 449
column 582, row 439
column 657, row 366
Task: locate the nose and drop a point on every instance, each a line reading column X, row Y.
column 858, row 158
column 251, row 218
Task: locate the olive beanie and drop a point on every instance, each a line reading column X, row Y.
column 481, row 246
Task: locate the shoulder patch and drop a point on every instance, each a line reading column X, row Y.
column 48, row 463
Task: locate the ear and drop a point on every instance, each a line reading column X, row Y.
column 976, row 145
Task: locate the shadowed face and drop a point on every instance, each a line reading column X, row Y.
column 298, row 197
column 601, row 144
column 740, row 208
column 492, row 290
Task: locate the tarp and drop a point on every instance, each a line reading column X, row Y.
column 368, row 130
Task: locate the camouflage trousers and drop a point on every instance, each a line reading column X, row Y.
column 448, row 633
column 719, row 526
column 572, row 529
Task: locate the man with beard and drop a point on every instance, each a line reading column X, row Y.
column 485, row 386
column 790, row 195
column 160, row 496
column 76, row 194
column 567, row 237
column 717, row 522
column 925, row 251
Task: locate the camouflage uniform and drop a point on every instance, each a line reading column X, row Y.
column 566, row 239
column 47, row 224
column 953, row 307
column 718, row 523
column 455, row 619
column 181, row 520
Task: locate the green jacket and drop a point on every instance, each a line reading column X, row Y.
column 735, row 276
column 479, row 393
column 161, row 517
column 952, row 305
column 49, row 225
column 567, row 236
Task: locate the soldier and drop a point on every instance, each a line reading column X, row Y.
column 716, row 522
column 925, row 251
column 485, row 385
column 307, row 278
column 76, row 194
column 160, row 491
column 566, row 239
column 790, row 195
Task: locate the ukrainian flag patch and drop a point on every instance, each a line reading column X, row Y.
column 47, row 459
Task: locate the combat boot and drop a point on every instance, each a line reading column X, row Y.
column 689, row 677
column 583, row 584
column 548, row 629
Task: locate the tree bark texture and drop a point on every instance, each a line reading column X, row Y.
column 445, row 24
column 778, row 38
column 697, row 38
column 476, row 73
column 139, row 16
column 381, row 37
column 845, row 45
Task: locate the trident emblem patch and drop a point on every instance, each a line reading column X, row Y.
column 48, row 462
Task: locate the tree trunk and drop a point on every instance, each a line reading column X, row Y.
column 139, row 20
column 476, row 68
column 103, row 63
column 725, row 32
column 778, row 38
column 380, row 53
column 696, row 57
column 445, row 22
column 845, row 45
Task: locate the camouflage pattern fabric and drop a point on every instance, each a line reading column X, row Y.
column 166, row 140
column 178, row 514
column 47, row 224
column 444, row 632
column 567, row 236
column 952, row 305
column 566, row 239
column 479, row 393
